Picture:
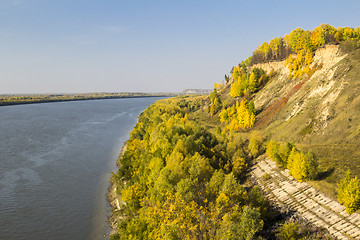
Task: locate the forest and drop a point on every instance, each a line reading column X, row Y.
column 179, row 180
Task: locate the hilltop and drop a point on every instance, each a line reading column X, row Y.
column 185, row 173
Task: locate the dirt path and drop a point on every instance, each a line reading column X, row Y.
column 281, row 187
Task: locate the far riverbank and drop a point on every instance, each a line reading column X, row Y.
column 6, row 100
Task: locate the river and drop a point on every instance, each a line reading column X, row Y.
column 55, row 163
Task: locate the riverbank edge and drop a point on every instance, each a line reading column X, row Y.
column 114, row 197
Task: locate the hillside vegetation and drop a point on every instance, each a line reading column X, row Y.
column 184, row 173
column 317, row 109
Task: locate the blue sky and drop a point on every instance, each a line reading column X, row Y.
column 71, row 46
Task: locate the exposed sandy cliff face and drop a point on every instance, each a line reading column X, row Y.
column 326, row 104
column 269, row 66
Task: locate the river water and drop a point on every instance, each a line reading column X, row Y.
column 55, row 163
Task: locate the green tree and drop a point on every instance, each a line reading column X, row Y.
column 215, row 102
column 284, row 150
column 214, row 185
column 272, row 149
column 276, row 46
column 253, row 82
column 213, row 95
column 289, row 231
column 298, row 40
column 250, row 223
column 240, row 226
column 239, row 165
column 255, row 143
column 235, row 89
column 225, row 115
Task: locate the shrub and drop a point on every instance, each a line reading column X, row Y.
column 294, row 230
column 266, row 177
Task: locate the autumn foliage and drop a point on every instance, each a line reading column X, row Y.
column 239, row 116
column 246, row 82
column 302, row 166
column 298, row 47
column 349, row 193
column 178, row 181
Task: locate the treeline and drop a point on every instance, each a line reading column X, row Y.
column 43, row 98
column 303, row 40
column 298, row 47
column 179, row 181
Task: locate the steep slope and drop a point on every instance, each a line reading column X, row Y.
column 320, row 113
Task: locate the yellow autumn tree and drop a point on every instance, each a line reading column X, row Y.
column 245, row 118
column 349, row 193
column 235, row 90
column 275, row 46
column 303, row 166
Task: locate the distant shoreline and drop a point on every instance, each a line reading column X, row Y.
column 50, row 98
